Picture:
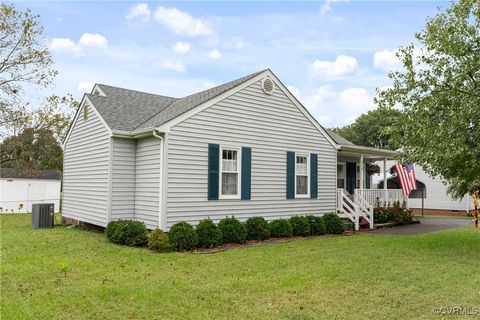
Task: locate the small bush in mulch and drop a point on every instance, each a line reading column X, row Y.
column 281, row 228
column 300, row 226
column 257, row 228
column 158, row 241
column 233, row 231
column 127, row 232
column 208, row 234
column 182, row 236
column 333, row 223
column 317, row 225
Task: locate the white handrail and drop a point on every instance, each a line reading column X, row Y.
column 347, row 207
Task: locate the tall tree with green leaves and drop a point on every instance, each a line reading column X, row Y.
column 371, row 129
column 439, row 92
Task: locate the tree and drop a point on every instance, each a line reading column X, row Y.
column 24, row 57
column 370, row 129
column 439, row 90
column 32, row 150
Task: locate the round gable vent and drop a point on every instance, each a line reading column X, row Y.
column 267, row 85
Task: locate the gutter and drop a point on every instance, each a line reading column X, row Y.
column 134, row 134
column 381, row 152
column 160, row 173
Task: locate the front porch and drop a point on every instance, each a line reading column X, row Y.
column 356, row 196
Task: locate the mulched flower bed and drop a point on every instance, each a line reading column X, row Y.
column 253, row 243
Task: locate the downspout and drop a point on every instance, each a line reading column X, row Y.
column 160, row 189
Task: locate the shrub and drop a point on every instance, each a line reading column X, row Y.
column 182, row 236
column 333, row 223
column 403, row 215
column 257, row 228
column 233, row 231
column 208, row 234
column 381, row 215
column 281, row 228
column 127, row 232
column 317, row 225
column 300, row 226
column 158, row 241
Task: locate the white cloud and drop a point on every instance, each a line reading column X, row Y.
column 181, row 47
column 181, row 22
column 386, row 60
column 64, row 45
column 343, row 65
column 327, row 5
column 294, row 90
column 174, row 65
column 93, row 40
column 85, row 86
column 139, row 12
column 338, row 107
column 214, row 54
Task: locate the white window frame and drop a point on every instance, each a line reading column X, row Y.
column 239, row 173
column 307, row 195
column 344, row 177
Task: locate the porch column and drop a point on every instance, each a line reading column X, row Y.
column 385, row 192
column 362, row 178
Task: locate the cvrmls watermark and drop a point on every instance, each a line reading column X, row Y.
column 461, row 311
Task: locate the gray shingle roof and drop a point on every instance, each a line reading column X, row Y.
column 30, row 174
column 338, row 139
column 128, row 110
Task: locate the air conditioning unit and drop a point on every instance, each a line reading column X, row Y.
column 42, row 215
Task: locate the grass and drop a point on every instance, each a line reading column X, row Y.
column 438, row 216
column 68, row 273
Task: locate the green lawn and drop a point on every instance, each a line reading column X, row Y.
column 364, row 276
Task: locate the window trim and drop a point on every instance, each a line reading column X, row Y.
column 307, row 156
column 344, row 176
column 237, row 196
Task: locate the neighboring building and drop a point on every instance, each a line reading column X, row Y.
column 20, row 189
column 437, row 199
column 245, row 148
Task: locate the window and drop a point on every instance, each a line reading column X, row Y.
column 85, row 111
column 230, row 173
column 341, row 175
column 301, row 175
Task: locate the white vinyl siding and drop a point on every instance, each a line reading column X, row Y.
column 123, row 179
column 271, row 125
column 147, row 181
column 86, row 170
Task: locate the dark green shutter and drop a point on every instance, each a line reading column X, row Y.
column 213, row 171
column 246, row 172
column 313, row 176
column 290, row 175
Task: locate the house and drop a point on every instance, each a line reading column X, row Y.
column 435, row 196
column 245, row 148
column 20, row 189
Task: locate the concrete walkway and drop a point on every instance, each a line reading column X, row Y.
column 425, row 225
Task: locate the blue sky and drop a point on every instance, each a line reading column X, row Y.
column 331, row 54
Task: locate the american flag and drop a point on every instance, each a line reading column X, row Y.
column 406, row 176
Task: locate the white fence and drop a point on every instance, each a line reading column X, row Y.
column 382, row 197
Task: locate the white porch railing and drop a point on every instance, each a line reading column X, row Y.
column 365, row 208
column 381, row 196
column 346, row 208
column 363, row 202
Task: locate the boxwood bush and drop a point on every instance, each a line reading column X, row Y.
column 300, row 226
column 317, row 225
column 281, row 228
column 233, row 231
column 158, row 241
column 257, row 228
column 127, row 232
column 208, row 234
column 333, row 223
column 182, row 236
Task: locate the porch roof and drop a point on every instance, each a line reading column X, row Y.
column 347, row 147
